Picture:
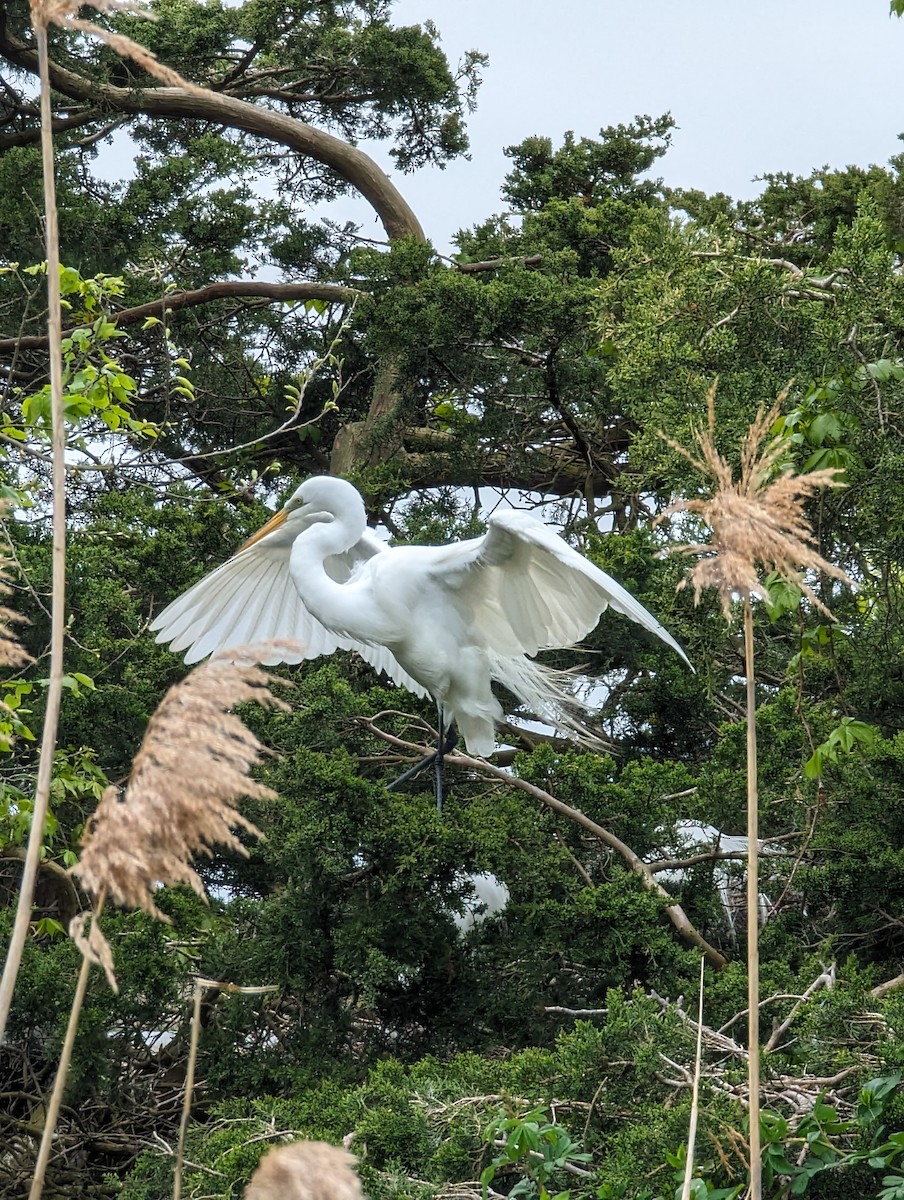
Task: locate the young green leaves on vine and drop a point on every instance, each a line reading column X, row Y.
column 95, row 386
column 535, row 1148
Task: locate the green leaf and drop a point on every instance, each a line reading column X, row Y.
column 779, row 596
column 830, row 458
column 885, row 369
column 70, row 281
column 49, row 927
column 826, row 425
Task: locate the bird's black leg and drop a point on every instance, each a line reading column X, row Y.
column 446, row 741
column 412, row 771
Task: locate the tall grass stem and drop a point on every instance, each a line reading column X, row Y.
column 57, row 622
column 59, row 1083
column 695, row 1097
column 189, row 1089
column 753, row 916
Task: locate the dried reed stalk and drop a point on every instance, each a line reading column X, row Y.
column 695, row 1098
column 57, row 615
column 191, row 770
column 305, row 1171
column 62, row 13
column 52, row 1112
column 189, row 1088
column 201, row 985
column 757, row 522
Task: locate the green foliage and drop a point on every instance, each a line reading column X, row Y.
column 843, row 739
column 593, row 317
column 531, row 1145
column 588, row 170
column 96, row 390
column 818, row 426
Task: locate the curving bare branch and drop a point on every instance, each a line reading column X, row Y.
column 350, row 163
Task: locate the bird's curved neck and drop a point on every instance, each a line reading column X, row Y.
column 332, row 603
column 332, row 533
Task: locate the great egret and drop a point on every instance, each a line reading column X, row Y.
column 440, row 620
column 488, row 897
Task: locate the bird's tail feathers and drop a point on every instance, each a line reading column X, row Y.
column 549, row 695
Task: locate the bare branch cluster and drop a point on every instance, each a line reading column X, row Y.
column 797, row 1093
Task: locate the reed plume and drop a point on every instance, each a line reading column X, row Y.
column 305, row 1171
column 191, row 770
column 12, row 653
column 757, row 522
column 64, row 14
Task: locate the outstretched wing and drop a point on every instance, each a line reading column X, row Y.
column 251, row 599
column 528, row 590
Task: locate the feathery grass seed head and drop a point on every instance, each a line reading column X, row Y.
column 64, row 14
column 305, row 1171
column 191, row 770
column 93, row 945
column 11, row 652
column 757, row 521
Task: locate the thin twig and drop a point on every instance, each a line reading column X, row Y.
column 575, row 1012
column 827, row 980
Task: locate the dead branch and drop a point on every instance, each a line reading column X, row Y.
column 493, row 264
column 882, row 989
column 826, row 980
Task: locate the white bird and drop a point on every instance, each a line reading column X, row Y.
column 488, row 897
column 446, row 621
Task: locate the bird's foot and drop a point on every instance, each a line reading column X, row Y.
column 435, row 760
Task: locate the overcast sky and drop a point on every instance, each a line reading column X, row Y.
column 754, row 86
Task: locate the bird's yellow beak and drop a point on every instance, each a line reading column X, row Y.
column 278, row 519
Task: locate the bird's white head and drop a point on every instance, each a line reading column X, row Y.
column 325, row 494
column 320, row 498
